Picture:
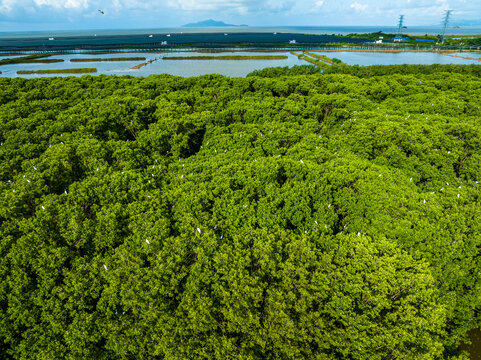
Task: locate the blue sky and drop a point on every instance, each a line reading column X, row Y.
column 31, row 15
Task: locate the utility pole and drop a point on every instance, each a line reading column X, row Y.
column 447, row 14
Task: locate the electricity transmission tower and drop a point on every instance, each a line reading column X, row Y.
column 447, row 14
column 401, row 26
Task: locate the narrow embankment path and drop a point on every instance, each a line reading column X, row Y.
column 461, row 57
column 144, row 64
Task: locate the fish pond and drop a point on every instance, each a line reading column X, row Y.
column 155, row 63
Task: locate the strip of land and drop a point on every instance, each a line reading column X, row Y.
column 39, row 58
column 108, row 59
column 42, row 61
column 462, row 57
column 332, row 61
column 58, row 71
column 228, row 57
column 143, row 64
column 313, row 60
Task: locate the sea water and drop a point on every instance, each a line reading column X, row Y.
column 318, row 30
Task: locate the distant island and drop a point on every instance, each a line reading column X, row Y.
column 209, row 23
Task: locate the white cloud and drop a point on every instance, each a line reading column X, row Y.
column 59, row 4
column 318, row 4
column 254, row 12
column 358, row 7
column 7, row 5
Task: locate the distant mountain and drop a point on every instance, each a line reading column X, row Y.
column 209, row 23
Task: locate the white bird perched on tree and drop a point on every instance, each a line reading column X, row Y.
column 147, row 241
column 199, row 230
column 105, row 267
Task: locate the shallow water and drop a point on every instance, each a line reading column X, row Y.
column 372, row 58
column 173, row 67
column 223, row 67
column 471, row 55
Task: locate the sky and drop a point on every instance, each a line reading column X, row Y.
column 44, row 15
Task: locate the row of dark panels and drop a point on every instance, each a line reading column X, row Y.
column 145, row 41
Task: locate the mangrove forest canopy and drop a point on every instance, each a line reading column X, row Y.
column 285, row 215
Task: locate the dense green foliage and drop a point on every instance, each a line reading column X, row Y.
column 274, row 72
column 308, row 216
column 369, row 71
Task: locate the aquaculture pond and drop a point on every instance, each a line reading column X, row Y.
column 156, row 64
column 398, row 58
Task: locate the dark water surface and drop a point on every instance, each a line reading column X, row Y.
column 474, row 348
